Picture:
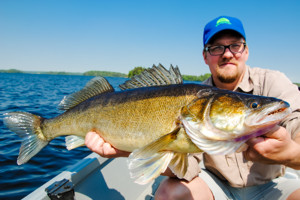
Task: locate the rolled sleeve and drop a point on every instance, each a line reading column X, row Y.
column 292, row 123
column 276, row 84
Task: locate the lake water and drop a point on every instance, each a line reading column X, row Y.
column 37, row 94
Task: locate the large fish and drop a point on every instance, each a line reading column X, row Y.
column 156, row 117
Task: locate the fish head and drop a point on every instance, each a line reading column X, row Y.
column 263, row 114
column 226, row 115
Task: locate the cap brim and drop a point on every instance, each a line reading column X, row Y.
column 223, row 29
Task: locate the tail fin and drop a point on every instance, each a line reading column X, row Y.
column 27, row 126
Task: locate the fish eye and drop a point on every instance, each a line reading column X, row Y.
column 254, row 105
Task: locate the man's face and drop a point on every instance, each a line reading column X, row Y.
column 228, row 67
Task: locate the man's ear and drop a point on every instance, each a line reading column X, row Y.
column 204, row 53
column 247, row 52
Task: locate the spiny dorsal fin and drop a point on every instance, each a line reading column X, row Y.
column 94, row 87
column 155, row 76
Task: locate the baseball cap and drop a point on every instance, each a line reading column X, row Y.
column 222, row 23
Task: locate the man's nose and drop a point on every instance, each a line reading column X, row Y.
column 227, row 53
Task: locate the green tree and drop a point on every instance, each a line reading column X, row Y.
column 10, row 71
column 135, row 71
column 196, row 78
column 104, row 73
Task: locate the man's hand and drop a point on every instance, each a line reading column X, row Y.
column 97, row 144
column 275, row 147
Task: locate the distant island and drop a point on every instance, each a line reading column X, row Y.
column 104, row 73
column 10, row 71
column 131, row 73
column 88, row 73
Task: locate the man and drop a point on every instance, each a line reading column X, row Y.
column 257, row 172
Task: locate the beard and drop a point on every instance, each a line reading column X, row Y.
column 227, row 77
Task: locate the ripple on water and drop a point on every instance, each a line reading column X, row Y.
column 38, row 94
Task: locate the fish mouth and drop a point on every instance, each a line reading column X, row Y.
column 272, row 114
column 256, row 133
column 265, row 120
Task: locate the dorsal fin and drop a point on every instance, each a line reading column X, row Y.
column 155, row 76
column 94, row 87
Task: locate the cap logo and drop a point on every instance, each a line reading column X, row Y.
column 222, row 21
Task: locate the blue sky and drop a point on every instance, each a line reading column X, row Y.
column 116, row 35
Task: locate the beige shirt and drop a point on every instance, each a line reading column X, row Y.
column 234, row 168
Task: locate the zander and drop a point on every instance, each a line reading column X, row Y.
column 156, row 117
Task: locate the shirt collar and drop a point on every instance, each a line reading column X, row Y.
column 209, row 82
column 246, row 85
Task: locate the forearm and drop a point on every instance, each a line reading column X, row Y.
column 294, row 157
column 292, row 126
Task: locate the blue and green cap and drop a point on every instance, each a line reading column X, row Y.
column 220, row 24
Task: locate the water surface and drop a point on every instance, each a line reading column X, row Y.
column 40, row 95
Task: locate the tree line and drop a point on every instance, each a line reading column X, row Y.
column 104, row 73
column 138, row 70
column 133, row 72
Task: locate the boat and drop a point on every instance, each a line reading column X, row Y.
column 95, row 177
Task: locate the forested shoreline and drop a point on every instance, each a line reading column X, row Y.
column 102, row 73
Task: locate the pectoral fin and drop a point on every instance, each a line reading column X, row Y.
column 150, row 161
column 179, row 164
column 146, row 169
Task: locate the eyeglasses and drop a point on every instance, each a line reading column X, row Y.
column 220, row 50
